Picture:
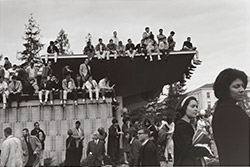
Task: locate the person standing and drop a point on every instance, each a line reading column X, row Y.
column 85, row 70
column 185, row 153
column 12, row 153
column 231, row 124
column 95, row 151
column 114, row 141
column 71, row 151
column 134, row 148
column 39, row 133
column 32, row 147
column 148, row 151
column 78, row 134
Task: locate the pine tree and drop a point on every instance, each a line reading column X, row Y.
column 32, row 45
column 62, row 42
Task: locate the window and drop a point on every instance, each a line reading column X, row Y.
column 208, row 95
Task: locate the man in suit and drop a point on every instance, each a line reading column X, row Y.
column 95, row 151
column 148, row 152
column 78, row 134
column 134, row 148
column 31, row 146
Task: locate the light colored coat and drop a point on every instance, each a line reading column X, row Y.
column 12, row 153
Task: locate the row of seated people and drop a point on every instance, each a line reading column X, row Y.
column 51, row 86
column 146, row 47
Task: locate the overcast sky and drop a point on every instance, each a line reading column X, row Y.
column 219, row 28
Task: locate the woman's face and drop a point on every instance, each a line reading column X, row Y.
column 192, row 109
column 236, row 90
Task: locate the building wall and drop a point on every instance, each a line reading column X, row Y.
column 55, row 122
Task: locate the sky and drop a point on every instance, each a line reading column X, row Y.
column 219, row 28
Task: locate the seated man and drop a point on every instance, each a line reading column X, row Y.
column 91, row 86
column 80, row 86
column 85, row 70
column 4, row 91
column 112, row 49
column 163, row 47
column 141, row 48
column 56, row 85
column 52, row 48
column 105, row 87
column 121, row 49
column 32, row 75
column 89, row 50
column 44, row 89
column 187, row 45
column 160, row 36
column 100, row 49
column 15, row 90
column 69, row 87
column 171, row 41
column 152, row 47
column 130, row 49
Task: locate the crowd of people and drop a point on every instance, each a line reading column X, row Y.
column 17, row 80
column 148, row 45
column 183, row 138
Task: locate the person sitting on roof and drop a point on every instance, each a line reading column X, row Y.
column 92, row 86
column 69, row 87
column 152, row 47
column 130, row 49
column 4, row 91
column 112, row 49
column 141, row 48
column 105, row 87
column 160, row 36
column 80, row 87
column 7, row 64
column 52, row 48
column 171, row 41
column 15, row 90
column 44, row 89
column 121, row 49
column 146, row 36
column 163, row 48
column 100, row 49
column 89, row 50
column 187, row 45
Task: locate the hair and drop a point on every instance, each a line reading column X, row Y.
column 70, row 132
column 99, row 39
column 78, row 122
column 114, row 120
column 146, row 28
column 26, row 129
column 182, row 106
column 8, row 131
column 36, row 123
column 6, row 58
column 224, row 80
column 51, row 42
column 172, row 32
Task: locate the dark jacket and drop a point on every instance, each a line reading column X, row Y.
column 113, row 141
column 134, row 152
column 71, row 152
column 185, row 154
column 95, row 153
column 231, row 133
column 41, row 138
column 149, row 155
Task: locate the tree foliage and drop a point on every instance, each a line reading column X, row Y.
column 62, row 42
column 32, row 42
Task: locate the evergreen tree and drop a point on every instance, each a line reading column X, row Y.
column 62, row 42
column 32, row 42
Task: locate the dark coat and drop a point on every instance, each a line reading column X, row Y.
column 113, row 142
column 134, row 152
column 95, row 158
column 185, row 154
column 231, row 133
column 71, row 151
column 149, row 155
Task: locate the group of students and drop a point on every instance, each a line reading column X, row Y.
column 31, row 79
column 148, row 45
